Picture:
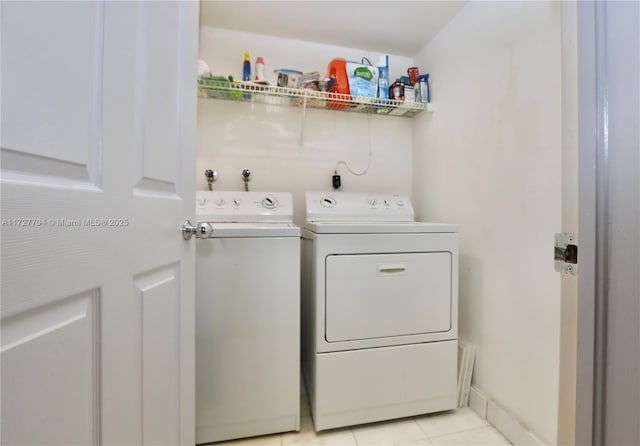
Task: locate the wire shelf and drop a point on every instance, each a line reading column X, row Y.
column 220, row 88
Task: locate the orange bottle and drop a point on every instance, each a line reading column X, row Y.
column 338, row 71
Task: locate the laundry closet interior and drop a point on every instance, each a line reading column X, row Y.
column 485, row 155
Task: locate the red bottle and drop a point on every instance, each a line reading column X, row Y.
column 413, row 74
column 338, row 71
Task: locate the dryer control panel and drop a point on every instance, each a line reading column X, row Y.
column 358, row 207
column 231, row 206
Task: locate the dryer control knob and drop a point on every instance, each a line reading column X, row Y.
column 373, row 202
column 236, row 202
column 220, row 202
column 327, row 202
column 270, row 203
column 400, row 203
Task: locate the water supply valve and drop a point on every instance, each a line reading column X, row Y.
column 246, row 177
column 211, row 177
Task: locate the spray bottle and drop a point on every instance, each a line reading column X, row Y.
column 246, row 67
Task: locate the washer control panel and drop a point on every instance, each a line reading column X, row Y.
column 231, row 206
column 358, row 207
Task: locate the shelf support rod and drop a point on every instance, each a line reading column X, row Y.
column 304, row 115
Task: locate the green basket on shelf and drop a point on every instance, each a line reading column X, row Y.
column 219, row 87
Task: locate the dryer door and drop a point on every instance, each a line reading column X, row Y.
column 372, row 296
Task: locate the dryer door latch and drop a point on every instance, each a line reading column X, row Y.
column 566, row 253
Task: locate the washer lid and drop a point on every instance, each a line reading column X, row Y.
column 358, row 206
column 237, row 230
column 360, row 227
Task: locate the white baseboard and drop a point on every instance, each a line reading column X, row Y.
column 478, row 402
column 505, row 422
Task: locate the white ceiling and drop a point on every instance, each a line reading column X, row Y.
column 393, row 27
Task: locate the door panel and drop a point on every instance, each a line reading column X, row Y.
column 54, row 51
column 381, row 295
column 158, row 292
column 98, row 127
column 158, row 154
column 63, row 336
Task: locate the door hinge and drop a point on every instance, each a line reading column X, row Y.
column 565, row 253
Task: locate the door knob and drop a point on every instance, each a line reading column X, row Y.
column 201, row 230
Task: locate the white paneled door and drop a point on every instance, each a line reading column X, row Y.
column 98, row 106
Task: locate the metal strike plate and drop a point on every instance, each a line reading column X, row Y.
column 565, row 253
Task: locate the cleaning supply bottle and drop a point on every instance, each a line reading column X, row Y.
column 259, row 68
column 246, row 67
column 423, row 84
column 383, row 77
column 338, row 71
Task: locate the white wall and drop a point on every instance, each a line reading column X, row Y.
column 489, row 159
column 266, row 139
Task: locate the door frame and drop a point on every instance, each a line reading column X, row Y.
column 587, row 150
column 606, row 270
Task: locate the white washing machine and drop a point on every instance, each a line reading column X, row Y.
column 379, row 310
column 247, row 316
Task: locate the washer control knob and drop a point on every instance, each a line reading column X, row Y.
column 270, row 203
column 400, row 203
column 327, row 202
column 236, row 202
column 220, row 202
column 386, row 203
column 373, row 202
column 202, row 201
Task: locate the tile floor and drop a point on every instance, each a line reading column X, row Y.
column 459, row 427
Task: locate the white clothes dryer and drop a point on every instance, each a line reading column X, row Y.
column 247, row 316
column 379, row 310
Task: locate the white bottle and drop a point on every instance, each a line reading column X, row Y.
column 259, row 69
